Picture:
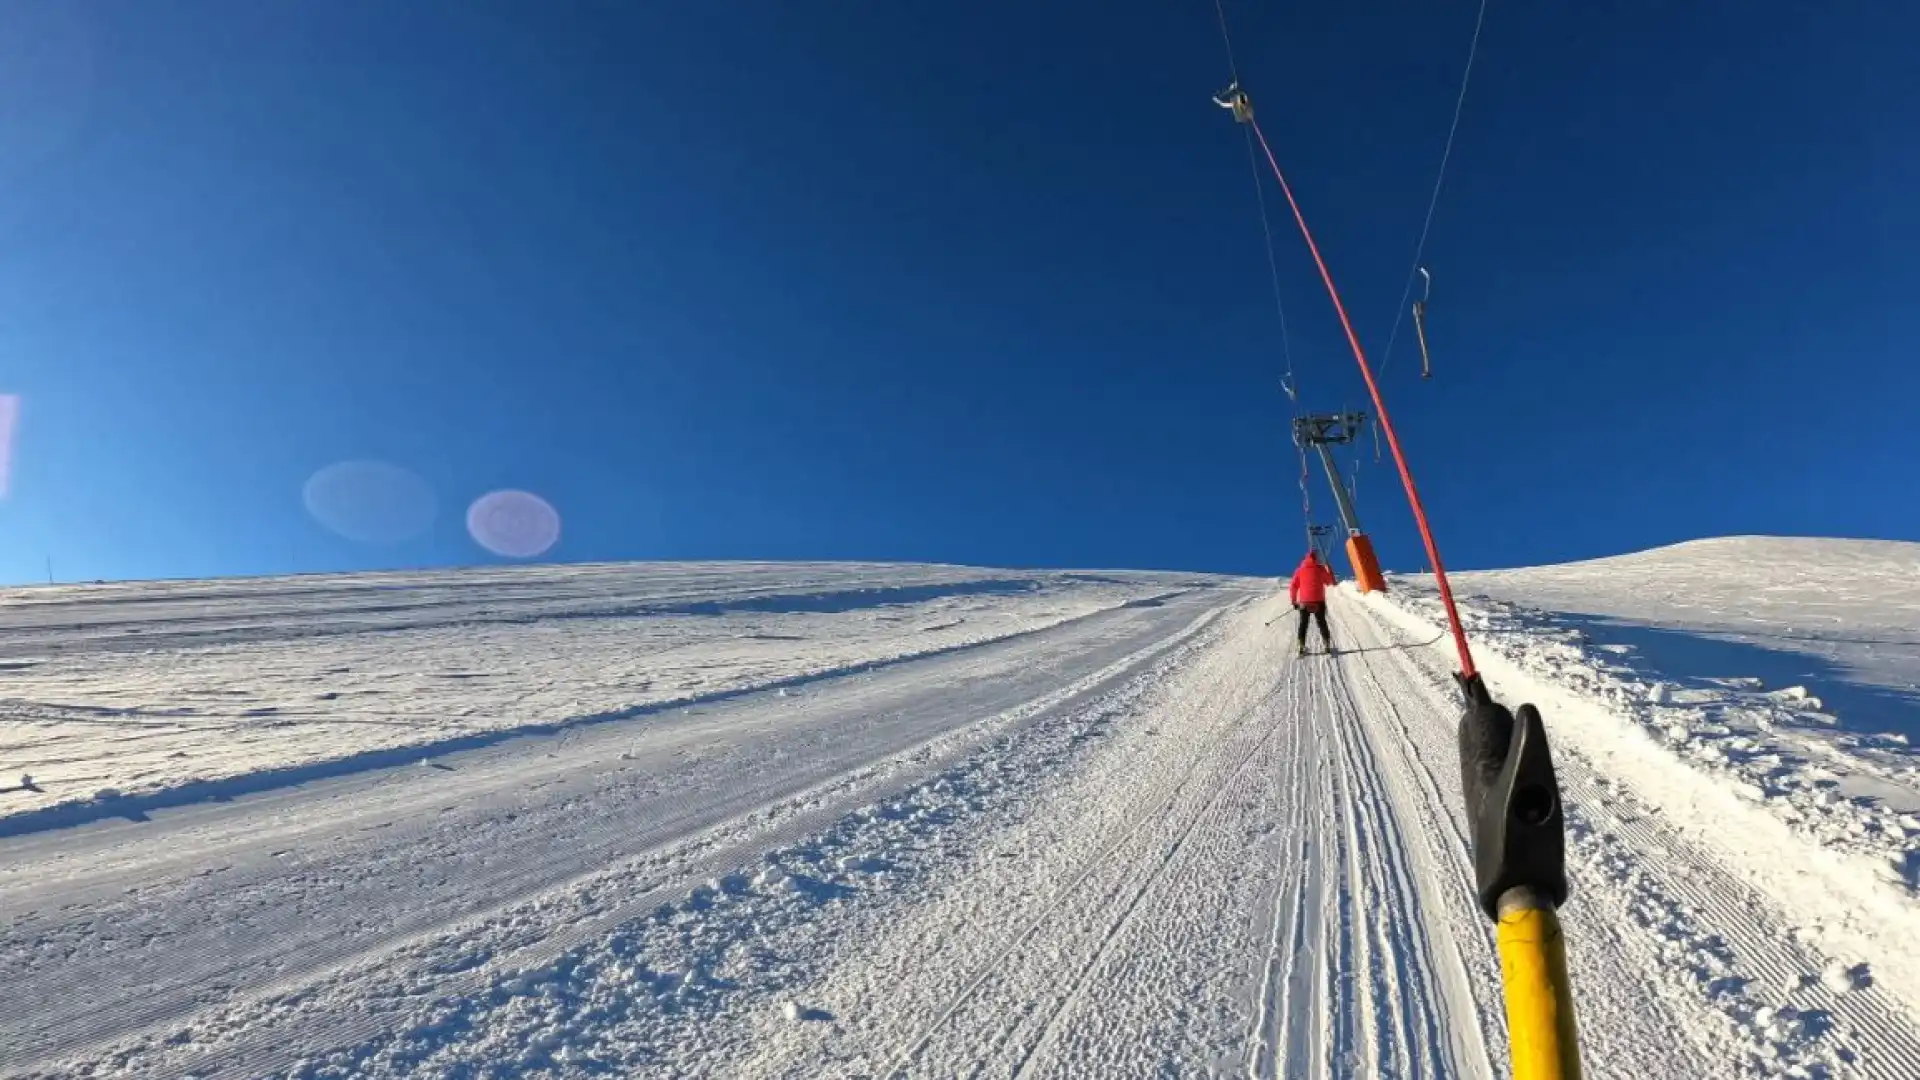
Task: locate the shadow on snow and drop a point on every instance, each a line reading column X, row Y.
column 1692, row 659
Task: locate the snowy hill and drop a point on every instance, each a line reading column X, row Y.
column 128, row 697
column 1809, row 646
column 1851, row 608
column 765, row 820
column 1761, row 694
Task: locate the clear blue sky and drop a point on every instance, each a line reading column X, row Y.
column 973, row 282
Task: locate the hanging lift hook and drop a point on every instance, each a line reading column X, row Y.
column 1420, row 324
column 1236, row 100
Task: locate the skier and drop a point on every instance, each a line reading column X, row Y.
column 1308, row 594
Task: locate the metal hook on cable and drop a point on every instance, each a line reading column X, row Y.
column 1236, row 100
column 1420, row 324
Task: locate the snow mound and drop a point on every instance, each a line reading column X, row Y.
column 1766, row 685
column 1854, row 602
column 1787, row 667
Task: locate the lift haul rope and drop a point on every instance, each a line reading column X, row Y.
column 1513, row 797
column 1433, row 201
column 1512, row 794
column 1235, row 99
column 1244, row 112
column 1289, row 382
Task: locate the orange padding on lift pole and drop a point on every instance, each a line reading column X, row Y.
column 1366, row 568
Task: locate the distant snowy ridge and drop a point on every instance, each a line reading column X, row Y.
column 1771, row 584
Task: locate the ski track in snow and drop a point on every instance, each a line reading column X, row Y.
column 1143, row 840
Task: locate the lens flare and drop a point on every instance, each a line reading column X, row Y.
column 9, row 416
column 371, row 501
column 517, row 524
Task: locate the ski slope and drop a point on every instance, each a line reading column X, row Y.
column 871, row 821
column 126, row 697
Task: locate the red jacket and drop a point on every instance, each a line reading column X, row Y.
column 1310, row 582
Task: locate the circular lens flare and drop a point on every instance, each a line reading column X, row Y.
column 516, row 524
column 9, row 415
column 371, row 501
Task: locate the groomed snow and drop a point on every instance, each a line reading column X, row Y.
column 125, row 697
column 1108, row 825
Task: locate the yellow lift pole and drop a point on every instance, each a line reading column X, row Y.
column 1520, row 874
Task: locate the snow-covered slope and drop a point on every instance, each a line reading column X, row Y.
column 1761, row 693
column 865, row 821
column 1792, row 663
column 117, row 699
column 1843, row 613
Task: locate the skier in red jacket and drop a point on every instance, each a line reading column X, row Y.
column 1308, row 594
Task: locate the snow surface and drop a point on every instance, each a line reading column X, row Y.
column 1837, row 619
column 866, row 821
column 130, row 696
column 1788, row 666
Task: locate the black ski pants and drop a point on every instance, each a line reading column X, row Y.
column 1318, row 613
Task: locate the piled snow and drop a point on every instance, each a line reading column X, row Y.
column 1789, row 667
column 116, row 698
column 1733, row 678
column 1845, row 613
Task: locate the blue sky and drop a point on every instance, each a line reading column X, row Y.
column 965, row 282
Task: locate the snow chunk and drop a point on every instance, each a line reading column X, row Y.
column 796, row 1013
column 1840, row 979
column 1780, row 1026
column 1795, row 693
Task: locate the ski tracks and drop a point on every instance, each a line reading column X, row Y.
column 1285, row 1036
column 1402, row 1016
column 1279, row 885
column 1238, row 863
column 1147, row 881
column 1231, row 892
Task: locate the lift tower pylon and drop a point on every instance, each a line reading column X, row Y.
column 1320, row 432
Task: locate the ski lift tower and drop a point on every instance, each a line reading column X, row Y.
column 1334, row 429
column 1317, row 536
